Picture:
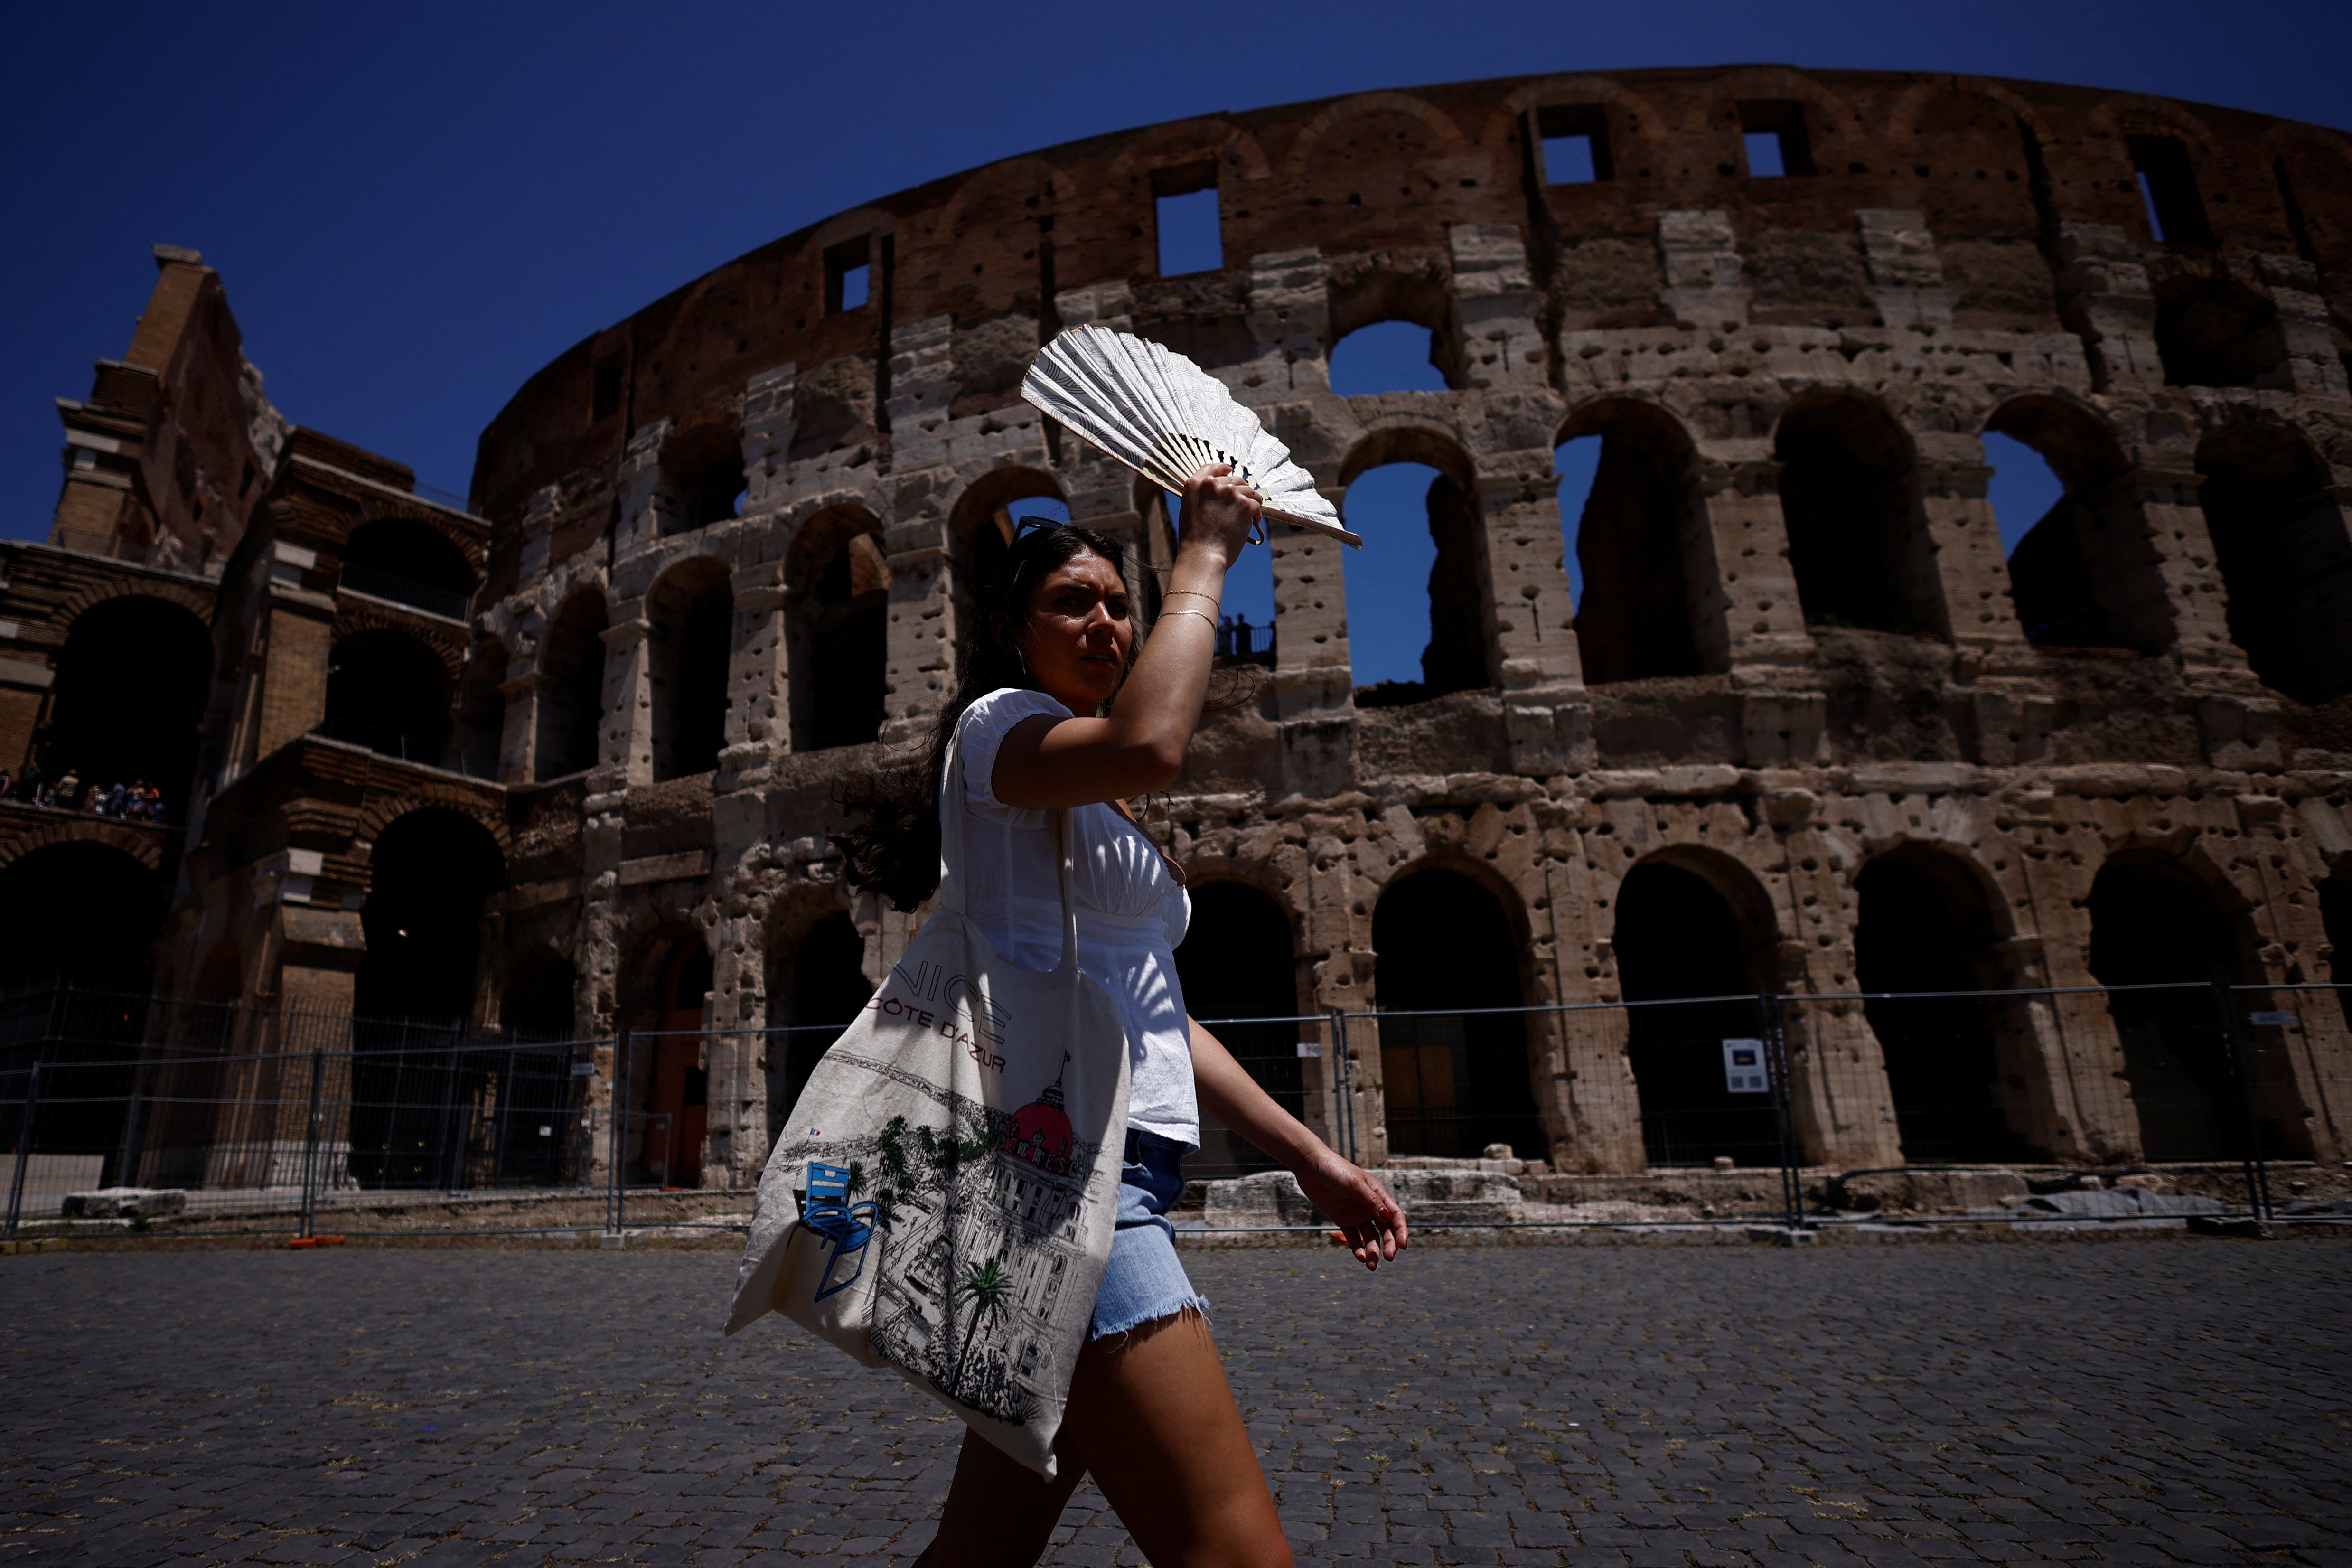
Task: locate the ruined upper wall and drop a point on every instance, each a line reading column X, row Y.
column 1996, row 167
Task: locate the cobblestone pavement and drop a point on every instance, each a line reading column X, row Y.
column 2147, row 1401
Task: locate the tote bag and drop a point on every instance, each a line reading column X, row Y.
column 956, row 1161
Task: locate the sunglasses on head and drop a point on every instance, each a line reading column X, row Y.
column 1033, row 521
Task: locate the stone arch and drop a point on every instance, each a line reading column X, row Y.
column 1850, row 498
column 661, row 993
column 1187, row 141
column 2119, row 115
column 1928, row 938
column 445, row 642
column 980, row 529
column 1710, row 109
column 382, row 811
column 571, row 686
column 1366, row 105
column 391, row 691
column 1448, row 936
column 1695, row 937
column 1644, row 549
column 837, row 584
column 816, row 984
column 2087, row 574
column 689, row 637
column 1902, row 120
column 1628, row 108
column 147, row 848
column 430, row 870
column 407, row 560
column 1459, row 657
column 199, row 604
column 1239, row 960
column 1369, row 291
column 703, row 476
column 1009, row 179
column 133, row 675
column 2161, row 918
column 82, row 908
column 2281, row 542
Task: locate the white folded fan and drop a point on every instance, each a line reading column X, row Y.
column 1163, row 416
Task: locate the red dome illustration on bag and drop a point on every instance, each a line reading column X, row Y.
column 1040, row 1133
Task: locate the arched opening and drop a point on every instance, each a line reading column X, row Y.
column 1687, row 965
column 1926, row 935
column 389, row 692
column 1417, row 580
column 2335, row 919
column 572, row 687
column 1238, row 960
column 840, row 630
column 481, row 712
column 1456, row 1081
column 981, row 530
column 2279, row 537
column 82, row 912
column 691, row 613
column 2154, row 923
column 1855, row 537
column 702, row 478
column 539, row 995
column 428, row 873
column 2082, row 571
column 1386, row 356
column 409, row 563
column 1631, row 521
column 131, row 683
column 821, row 991
column 2215, row 333
column 663, row 996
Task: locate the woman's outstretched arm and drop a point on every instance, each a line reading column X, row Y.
column 1139, row 746
column 1343, row 1193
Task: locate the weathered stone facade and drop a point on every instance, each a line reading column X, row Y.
column 727, row 540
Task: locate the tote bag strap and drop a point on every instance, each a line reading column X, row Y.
column 952, row 807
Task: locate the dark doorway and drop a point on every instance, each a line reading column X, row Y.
column 539, row 995
column 85, row 912
column 1633, row 612
column 428, row 873
column 841, row 627
column 572, row 687
column 2280, row 539
column 410, row 563
column 1238, row 960
column 678, row 1093
column 1681, row 965
column 828, row 990
column 131, row 688
column 2335, row 919
column 1454, row 1082
column 2153, row 923
column 692, row 609
column 1926, row 930
column 389, row 692
column 1854, row 541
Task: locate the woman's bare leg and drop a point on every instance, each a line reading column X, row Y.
column 999, row 1513
column 1155, row 1420
column 1152, row 1418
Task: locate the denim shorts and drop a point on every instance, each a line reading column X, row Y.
column 1144, row 1281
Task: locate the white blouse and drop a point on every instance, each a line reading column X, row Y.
column 1131, row 910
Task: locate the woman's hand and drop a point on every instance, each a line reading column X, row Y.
column 1219, row 510
column 1355, row 1202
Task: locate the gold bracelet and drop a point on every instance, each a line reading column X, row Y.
column 1194, row 613
column 1188, row 594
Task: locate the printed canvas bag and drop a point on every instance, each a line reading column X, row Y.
column 957, row 1153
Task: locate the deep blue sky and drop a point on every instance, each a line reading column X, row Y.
column 416, row 206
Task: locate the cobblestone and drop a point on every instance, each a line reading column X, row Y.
column 2158, row 1402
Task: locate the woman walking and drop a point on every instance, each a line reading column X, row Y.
column 1059, row 710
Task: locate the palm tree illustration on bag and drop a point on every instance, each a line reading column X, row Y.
column 986, row 1289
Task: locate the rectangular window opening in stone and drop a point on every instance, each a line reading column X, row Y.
column 604, row 394
column 1773, row 132
column 849, row 275
column 1184, row 211
column 1575, row 144
column 2175, row 213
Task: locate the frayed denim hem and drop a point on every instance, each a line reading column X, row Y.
column 1198, row 1305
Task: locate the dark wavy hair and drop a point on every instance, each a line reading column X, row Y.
column 892, row 846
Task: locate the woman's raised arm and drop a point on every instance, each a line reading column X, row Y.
column 1075, row 654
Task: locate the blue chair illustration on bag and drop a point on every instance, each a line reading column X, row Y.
column 849, row 1226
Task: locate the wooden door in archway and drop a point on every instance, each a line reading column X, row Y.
column 678, row 1106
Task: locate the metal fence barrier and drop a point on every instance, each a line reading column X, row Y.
column 1791, row 1109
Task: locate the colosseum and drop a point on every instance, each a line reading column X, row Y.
column 562, row 759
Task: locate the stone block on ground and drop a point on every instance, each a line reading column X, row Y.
column 124, row 1203
column 1267, row 1198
